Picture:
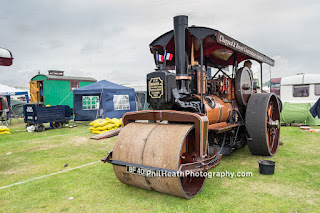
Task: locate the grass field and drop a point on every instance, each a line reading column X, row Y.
column 295, row 186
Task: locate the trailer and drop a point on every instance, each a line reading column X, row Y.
column 55, row 88
column 38, row 115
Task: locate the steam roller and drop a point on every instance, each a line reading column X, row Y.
column 203, row 106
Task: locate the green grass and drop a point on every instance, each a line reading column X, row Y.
column 295, row 186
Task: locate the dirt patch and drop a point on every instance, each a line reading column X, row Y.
column 44, row 147
column 20, row 170
column 79, row 141
column 75, row 141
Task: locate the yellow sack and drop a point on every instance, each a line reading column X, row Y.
column 98, row 128
column 101, row 122
column 96, row 132
column 4, row 132
column 108, row 120
column 116, row 121
column 106, row 127
column 95, row 122
column 3, row 128
column 112, row 126
column 103, row 128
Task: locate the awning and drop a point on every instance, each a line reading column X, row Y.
column 6, row 90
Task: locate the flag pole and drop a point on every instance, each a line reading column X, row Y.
column 157, row 62
column 164, row 58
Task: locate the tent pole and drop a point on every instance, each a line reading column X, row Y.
column 99, row 105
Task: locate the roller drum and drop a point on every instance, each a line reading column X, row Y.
column 156, row 145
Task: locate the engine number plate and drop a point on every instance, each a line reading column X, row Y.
column 140, row 171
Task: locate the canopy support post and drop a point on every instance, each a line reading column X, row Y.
column 201, row 73
column 234, row 70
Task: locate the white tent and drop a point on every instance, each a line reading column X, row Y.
column 8, row 91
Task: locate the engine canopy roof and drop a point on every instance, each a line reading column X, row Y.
column 217, row 47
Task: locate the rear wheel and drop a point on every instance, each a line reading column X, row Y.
column 40, row 127
column 263, row 124
column 57, row 125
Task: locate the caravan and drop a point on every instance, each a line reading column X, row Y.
column 301, row 88
column 298, row 94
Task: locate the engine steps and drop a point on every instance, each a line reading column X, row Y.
column 221, row 127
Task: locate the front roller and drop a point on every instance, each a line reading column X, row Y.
column 263, row 124
column 161, row 146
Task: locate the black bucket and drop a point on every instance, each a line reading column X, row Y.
column 266, row 167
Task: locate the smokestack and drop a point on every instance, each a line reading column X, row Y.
column 181, row 51
column 180, row 41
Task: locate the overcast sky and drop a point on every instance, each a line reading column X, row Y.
column 110, row 39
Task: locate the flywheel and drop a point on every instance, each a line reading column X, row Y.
column 243, row 86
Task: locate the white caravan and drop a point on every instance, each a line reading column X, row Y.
column 301, row 88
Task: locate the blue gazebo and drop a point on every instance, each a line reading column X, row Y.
column 102, row 99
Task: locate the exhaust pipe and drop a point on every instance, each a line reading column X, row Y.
column 181, row 50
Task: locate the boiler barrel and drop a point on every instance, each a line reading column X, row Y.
column 217, row 110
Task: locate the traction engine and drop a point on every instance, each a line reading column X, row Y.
column 196, row 117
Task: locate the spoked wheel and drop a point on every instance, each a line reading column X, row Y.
column 164, row 146
column 263, row 124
